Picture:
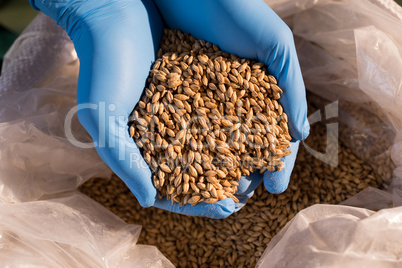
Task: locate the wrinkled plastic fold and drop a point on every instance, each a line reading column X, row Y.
column 70, row 231
column 337, row 236
column 44, row 221
column 350, row 51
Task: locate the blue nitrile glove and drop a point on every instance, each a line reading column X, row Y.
column 116, row 42
column 250, row 29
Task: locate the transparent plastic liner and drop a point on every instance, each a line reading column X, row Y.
column 27, row 63
column 71, row 231
column 337, row 236
column 350, row 52
column 37, row 91
column 367, row 133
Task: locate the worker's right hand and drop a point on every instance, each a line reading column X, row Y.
column 250, row 29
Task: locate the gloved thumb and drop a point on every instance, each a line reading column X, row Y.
column 276, row 182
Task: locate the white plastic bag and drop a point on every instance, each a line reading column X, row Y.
column 338, row 236
column 350, row 51
column 336, row 41
column 70, row 231
column 38, row 161
column 37, row 89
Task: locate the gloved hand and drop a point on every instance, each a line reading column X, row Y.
column 116, row 42
column 250, row 29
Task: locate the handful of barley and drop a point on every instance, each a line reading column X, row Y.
column 207, row 117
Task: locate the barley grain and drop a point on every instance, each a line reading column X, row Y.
column 203, row 101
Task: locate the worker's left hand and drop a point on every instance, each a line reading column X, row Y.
column 116, row 42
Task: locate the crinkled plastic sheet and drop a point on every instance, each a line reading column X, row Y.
column 37, row 90
column 70, row 231
column 338, row 236
column 44, row 222
column 351, row 52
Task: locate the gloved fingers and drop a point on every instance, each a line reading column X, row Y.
column 281, row 59
column 249, row 29
column 116, row 42
column 218, row 210
column 118, row 150
column 117, row 55
column 247, row 184
column 245, row 190
column 274, row 45
column 116, row 46
column 242, row 202
column 276, row 182
column 224, row 23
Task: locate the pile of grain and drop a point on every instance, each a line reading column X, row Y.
column 239, row 240
column 207, row 117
